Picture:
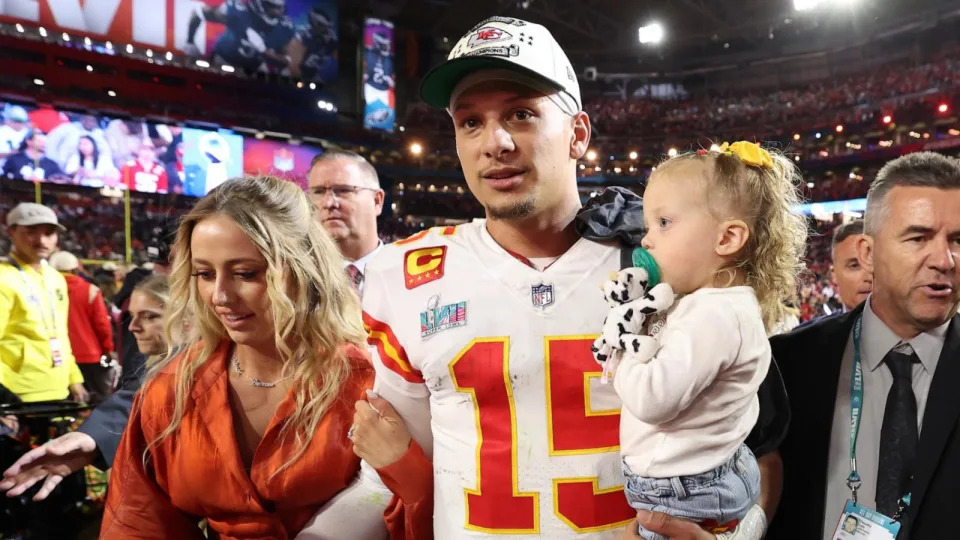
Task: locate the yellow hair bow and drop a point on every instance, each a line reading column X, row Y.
column 749, row 153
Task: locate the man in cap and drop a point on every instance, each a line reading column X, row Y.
column 90, row 329
column 15, row 128
column 36, row 361
column 495, row 377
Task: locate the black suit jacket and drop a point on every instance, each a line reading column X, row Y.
column 810, row 359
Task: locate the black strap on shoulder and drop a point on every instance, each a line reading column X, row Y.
column 626, row 256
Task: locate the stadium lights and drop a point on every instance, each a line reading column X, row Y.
column 43, row 32
column 227, row 68
column 953, row 132
column 111, row 93
column 634, row 154
column 203, row 63
column 299, row 84
column 149, row 53
column 402, row 129
column 326, row 105
column 810, row 185
column 168, row 56
column 796, row 158
column 672, row 152
column 617, row 170
column 805, row 5
column 597, row 168
column 591, row 155
column 416, row 148
column 38, row 82
column 582, row 166
column 818, row 135
column 796, row 136
column 839, row 128
column 887, row 119
column 89, row 68
column 129, row 48
column 313, row 86
column 65, row 36
column 19, row 28
column 650, row 34
column 943, row 108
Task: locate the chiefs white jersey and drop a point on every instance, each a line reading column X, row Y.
column 525, row 437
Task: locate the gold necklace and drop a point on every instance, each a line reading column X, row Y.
column 256, row 382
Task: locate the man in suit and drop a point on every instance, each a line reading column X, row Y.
column 908, row 439
column 853, row 281
column 346, row 190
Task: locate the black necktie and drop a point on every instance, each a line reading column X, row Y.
column 898, row 436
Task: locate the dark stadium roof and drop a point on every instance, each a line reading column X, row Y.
column 700, row 34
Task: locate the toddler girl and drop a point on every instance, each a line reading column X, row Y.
column 722, row 232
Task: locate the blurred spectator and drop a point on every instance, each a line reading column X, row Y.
column 15, row 126
column 30, row 163
column 172, row 161
column 124, row 138
column 89, row 167
column 854, row 282
column 91, row 336
column 144, row 173
column 63, row 141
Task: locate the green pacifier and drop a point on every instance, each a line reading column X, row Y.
column 643, row 259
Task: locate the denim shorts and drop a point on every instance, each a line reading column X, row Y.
column 722, row 495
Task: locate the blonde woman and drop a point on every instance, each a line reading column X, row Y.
column 247, row 427
column 95, row 442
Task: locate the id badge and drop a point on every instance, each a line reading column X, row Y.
column 857, row 522
column 55, row 352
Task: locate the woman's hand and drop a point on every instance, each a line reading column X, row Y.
column 50, row 462
column 378, row 433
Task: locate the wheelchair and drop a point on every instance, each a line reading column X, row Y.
column 66, row 511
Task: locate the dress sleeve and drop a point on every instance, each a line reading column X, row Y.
column 136, row 506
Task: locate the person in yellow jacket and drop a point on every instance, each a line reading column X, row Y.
column 36, row 361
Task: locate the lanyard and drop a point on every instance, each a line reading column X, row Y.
column 856, row 407
column 35, row 299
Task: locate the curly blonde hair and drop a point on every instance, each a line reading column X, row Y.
column 314, row 309
column 764, row 198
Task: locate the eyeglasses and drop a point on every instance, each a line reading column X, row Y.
column 339, row 192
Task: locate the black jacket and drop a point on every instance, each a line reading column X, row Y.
column 810, row 359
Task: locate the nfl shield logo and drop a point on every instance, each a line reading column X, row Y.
column 542, row 295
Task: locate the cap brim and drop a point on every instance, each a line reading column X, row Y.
column 31, row 223
column 438, row 84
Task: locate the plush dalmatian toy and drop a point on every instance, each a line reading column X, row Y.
column 630, row 305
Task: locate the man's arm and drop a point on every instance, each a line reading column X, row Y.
column 771, row 483
column 207, row 13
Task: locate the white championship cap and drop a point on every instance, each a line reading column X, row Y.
column 64, row 261
column 506, row 45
